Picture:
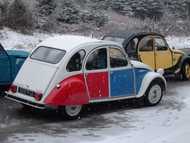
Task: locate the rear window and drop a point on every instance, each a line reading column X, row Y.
column 48, row 55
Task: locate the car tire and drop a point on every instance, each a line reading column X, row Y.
column 186, row 71
column 153, row 94
column 71, row 112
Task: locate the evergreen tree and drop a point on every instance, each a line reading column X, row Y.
column 19, row 17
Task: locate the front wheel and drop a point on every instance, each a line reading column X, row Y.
column 153, row 94
column 71, row 112
column 186, row 71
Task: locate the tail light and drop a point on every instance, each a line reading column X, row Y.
column 38, row 96
column 13, row 88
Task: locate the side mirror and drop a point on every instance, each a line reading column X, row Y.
column 173, row 48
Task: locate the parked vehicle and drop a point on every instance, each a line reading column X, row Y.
column 10, row 63
column 152, row 49
column 68, row 72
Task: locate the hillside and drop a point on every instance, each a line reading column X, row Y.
column 97, row 16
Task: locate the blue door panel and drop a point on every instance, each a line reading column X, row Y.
column 122, row 82
column 139, row 74
column 5, row 68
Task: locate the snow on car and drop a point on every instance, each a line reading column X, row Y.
column 68, row 72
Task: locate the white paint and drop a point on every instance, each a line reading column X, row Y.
column 138, row 64
column 149, row 77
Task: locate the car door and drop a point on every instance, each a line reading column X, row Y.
column 163, row 54
column 5, row 68
column 96, row 74
column 121, row 74
column 146, row 51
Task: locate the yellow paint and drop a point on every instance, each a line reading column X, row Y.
column 163, row 59
column 176, row 56
column 147, row 57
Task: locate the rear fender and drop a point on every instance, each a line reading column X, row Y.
column 71, row 91
column 149, row 77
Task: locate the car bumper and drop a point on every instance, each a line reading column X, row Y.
column 25, row 102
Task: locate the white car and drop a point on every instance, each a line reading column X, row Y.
column 68, row 72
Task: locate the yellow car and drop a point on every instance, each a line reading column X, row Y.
column 153, row 50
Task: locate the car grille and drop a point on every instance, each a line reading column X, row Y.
column 26, row 91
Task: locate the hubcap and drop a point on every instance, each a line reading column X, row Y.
column 73, row 110
column 187, row 70
column 155, row 94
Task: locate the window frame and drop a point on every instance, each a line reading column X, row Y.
column 157, row 37
column 93, row 50
column 140, row 43
column 123, row 53
column 83, row 60
column 43, row 60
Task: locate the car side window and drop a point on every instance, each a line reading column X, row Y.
column 117, row 58
column 75, row 63
column 97, row 60
column 146, row 44
column 160, row 44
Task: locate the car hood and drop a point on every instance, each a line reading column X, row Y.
column 138, row 64
column 186, row 51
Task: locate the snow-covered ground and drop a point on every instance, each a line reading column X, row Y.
column 166, row 123
column 14, row 40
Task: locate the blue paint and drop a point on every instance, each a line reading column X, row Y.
column 122, row 82
column 139, row 74
column 10, row 63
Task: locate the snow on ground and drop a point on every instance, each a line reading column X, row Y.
column 178, row 42
column 14, row 40
column 166, row 123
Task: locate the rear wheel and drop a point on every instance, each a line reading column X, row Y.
column 186, row 71
column 153, row 94
column 71, row 112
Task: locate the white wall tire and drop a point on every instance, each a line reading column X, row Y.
column 154, row 94
column 71, row 112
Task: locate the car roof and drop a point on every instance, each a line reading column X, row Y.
column 70, row 42
column 128, row 35
column 18, row 53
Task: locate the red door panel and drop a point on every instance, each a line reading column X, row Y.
column 97, row 85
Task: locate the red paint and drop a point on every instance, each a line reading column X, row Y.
column 98, row 85
column 72, row 91
column 13, row 88
column 38, row 96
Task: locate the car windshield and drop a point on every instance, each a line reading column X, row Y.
column 115, row 39
column 48, row 55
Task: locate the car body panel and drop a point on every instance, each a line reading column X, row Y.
column 122, row 83
column 10, row 63
column 148, row 58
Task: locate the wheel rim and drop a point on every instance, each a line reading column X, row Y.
column 155, row 94
column 187, row 70
column 73, row 110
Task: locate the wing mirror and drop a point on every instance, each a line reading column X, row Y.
column 173, row 48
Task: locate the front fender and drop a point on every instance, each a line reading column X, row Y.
column 147, row 80
column 183, row 60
